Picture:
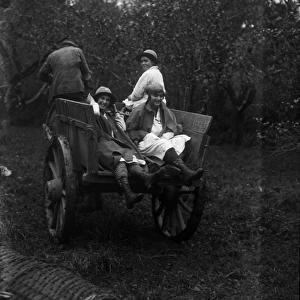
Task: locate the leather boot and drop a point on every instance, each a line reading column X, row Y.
column 121, row 175
column 148, row 179
column 172, row 158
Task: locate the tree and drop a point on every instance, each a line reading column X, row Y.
column 281, row 110
column 233, row 59
column 23, row 46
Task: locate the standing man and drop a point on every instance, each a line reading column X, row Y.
column 67, row 72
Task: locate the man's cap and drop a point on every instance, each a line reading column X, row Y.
column 68, row 43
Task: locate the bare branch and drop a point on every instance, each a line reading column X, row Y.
column 251, row 93
column 42, row 89
column 31, row 68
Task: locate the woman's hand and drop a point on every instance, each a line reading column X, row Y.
column 95, row 105
column 168, row 135
column 120, row 121
column 150, row 137
column 148, row 140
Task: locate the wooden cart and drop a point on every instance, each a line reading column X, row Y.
column 71, row 168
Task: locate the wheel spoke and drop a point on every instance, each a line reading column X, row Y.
column 61, row 215
column 160, row 209
column 166, row 221
column 166, row 233
column 50, row 204
column 184, row 205
column 55, row 155
column 54, row 217
column 173, row 223
column 57, row 162
column 58, row 217
column 53, row 169
column 179, row 217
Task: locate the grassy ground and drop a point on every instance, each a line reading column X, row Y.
column 246, row 247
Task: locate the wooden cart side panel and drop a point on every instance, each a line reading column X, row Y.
column 193, row 121
column 76, row 110
column 79, row 127
column 196, row 126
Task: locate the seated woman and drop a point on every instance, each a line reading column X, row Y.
column 116, row 152
column 152, row 126
column 148, row 60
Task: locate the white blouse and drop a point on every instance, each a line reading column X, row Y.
column 157, row 125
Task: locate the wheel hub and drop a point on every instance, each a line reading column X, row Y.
column 53, row 189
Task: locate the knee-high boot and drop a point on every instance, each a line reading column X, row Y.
column 121, row 175
column 172, row 158
column 147, row 178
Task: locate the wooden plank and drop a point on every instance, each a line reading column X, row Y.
column 196, row 126
column 76, row 110
column 80, row 129
column 193, row 122
column 106, row 183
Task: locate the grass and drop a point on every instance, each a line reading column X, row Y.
column 246, row 247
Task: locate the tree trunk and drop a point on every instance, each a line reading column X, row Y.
column 4, row 118
column 245, row 98
column 24, row 277
column 4, row 131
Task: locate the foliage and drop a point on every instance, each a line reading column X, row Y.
column 28, row 41
column 199, row 42
column 281, row 110
column 282, row 136
column 236, row 60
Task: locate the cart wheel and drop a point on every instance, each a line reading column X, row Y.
column 60, row 188
column 178, row 211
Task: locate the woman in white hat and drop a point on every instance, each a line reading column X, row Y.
column 148, row 60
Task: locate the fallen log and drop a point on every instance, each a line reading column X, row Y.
column 25, row 278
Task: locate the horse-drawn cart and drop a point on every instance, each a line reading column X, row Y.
column 71, row 169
